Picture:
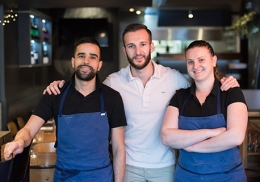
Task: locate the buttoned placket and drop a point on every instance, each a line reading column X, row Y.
column 143, row 91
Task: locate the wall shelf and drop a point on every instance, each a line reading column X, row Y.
column 250, row 159
column 34, row 39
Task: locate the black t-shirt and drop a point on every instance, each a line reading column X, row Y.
column 193, row 107
column 76, row 103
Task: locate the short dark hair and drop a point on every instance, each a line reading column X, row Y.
column 85, row 40
column 203, row 43
column 134, row 27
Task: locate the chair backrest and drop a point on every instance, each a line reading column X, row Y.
column 5, row 170
column 20, row 122
column 12, row 127
column 20, row 165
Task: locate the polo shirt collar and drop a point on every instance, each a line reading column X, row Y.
column 214, row 90
column 130, row 77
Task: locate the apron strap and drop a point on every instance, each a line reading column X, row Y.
column 63, row 99
column 102, row 105
column 101, row 96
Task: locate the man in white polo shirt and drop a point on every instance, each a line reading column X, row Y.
column 146, row 89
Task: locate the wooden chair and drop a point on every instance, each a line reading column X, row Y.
column 20, row 166
column 20, row 122
column 12, row 127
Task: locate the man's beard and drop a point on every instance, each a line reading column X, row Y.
column 85, row 76
column 139, row 67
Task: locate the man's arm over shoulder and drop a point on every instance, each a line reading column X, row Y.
column 54, row 87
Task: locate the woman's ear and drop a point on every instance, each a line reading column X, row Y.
column 214, row 59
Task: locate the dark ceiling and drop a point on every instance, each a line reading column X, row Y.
column 232, row 5
column 76, row 3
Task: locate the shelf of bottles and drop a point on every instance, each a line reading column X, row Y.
column 35, row 45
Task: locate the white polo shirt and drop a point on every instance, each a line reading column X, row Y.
column 145, row 108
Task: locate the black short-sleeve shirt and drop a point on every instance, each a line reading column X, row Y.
column 76, row 103
column 193, row 107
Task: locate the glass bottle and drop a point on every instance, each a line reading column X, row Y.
column 45, row 31
column 32, row 55
column 34, row 28
column 35, row 53
column 45, row 54
column 250, row 142
column 256, row 141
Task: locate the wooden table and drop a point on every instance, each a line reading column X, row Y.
column 43, row 158
column 43, row 153
column 44, row 136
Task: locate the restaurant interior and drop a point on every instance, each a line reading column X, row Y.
column 36, row 39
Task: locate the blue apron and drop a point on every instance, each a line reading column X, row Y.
column 217, row 166
column 82, row 151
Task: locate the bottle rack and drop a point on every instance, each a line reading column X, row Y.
column 250, row 158
column 34, row 39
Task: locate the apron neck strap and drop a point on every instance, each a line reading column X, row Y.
column 102, row 105
column 63, row 98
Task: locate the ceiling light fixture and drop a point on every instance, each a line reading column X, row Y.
column 138, row 12
column 131, row 10
column 190, row 15
column 9, row 16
